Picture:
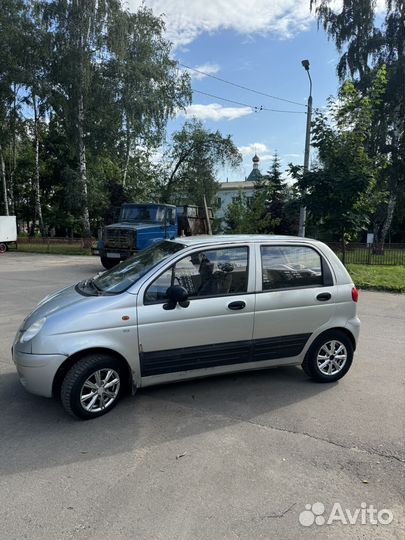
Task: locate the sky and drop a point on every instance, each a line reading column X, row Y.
column 258, row 44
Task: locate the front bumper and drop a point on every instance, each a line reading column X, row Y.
column 113, row 254
column 37, row 371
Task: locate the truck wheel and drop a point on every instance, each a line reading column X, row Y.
column 3, row 247
column 329, row 358
column 93, row 386
column 109, row 263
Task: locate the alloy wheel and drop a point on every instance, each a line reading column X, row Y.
column 332, row 357
column 100, row 390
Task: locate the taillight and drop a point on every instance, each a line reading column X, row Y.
column 355, row 294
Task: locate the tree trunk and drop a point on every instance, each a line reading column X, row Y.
column 12, row 174
column 4, row 179
column 168, row 187
column 37, row 189
column 388, row 220
column 128, row 148
column 381, row 229
column 34, row 217
column 83, row 173
column 13, row 153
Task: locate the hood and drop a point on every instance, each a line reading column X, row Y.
column 133, row 225
column 55, row 302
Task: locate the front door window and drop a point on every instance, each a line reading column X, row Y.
column 214, row 272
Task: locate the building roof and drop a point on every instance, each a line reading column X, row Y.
column 236, row 185
column 254, row 175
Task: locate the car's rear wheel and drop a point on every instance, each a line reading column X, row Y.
column 3, row 247
column 330, row 356
column 93, row 386
column 109, row 263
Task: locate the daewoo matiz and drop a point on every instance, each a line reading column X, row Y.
column 190, row 308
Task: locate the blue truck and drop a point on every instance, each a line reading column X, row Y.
column 140, row 225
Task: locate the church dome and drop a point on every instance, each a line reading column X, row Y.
column 255, row 174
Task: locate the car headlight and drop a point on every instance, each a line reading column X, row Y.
column 32, row 330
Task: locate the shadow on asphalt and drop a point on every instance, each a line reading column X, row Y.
column 36, row 433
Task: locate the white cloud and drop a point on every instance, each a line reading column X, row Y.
column 209, row 69
column 187, row 20
column 214, row 111
column 254, row 148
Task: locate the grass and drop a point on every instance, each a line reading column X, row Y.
column 379, row 278
column 53, row 249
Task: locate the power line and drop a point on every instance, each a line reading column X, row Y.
column 242, row 87
column 256, row 108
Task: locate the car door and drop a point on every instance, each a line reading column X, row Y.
column 214, row 332
column 295, row 298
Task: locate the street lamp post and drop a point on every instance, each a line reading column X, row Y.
column 303, row 210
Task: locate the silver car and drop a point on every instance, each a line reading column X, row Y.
column 190, row 308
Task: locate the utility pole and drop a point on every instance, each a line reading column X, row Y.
column 303, row 210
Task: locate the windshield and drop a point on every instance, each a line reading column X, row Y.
column 143, row 213
column 119, row 278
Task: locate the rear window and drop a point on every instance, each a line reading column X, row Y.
column 285, row 267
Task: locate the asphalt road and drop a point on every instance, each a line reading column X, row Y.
column 255, row 448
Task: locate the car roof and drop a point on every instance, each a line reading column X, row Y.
column 234, row 238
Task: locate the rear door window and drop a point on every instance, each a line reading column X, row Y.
column 286, row 267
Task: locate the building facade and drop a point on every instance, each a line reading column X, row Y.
column 230, row 191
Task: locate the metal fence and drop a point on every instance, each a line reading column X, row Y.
column 54, row 241
column 392, row 254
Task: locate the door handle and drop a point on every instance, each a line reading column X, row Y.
column 324, row 296
column 237, row 305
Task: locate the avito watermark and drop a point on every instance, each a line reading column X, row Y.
column 366, row 514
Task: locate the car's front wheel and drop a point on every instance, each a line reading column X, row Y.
column 93, row 386
column 330, row 356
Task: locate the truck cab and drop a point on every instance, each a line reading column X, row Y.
column 139, row 226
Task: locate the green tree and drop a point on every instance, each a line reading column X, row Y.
column 194, row 158
column 364, row 49
column 37, row 92
column 14, row 30
column 259, row 219
column 236, row 215
column 114, row 86
column 150, row 86
column 339, row 191
column 278, row 195
column 80, row 30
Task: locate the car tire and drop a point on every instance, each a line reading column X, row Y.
column 87, row 378
column 329, row 357
column 3, row 247
column 109, row 263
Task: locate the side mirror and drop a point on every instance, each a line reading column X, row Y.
column 176, row 295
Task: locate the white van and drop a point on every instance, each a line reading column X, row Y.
column 8, row 232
